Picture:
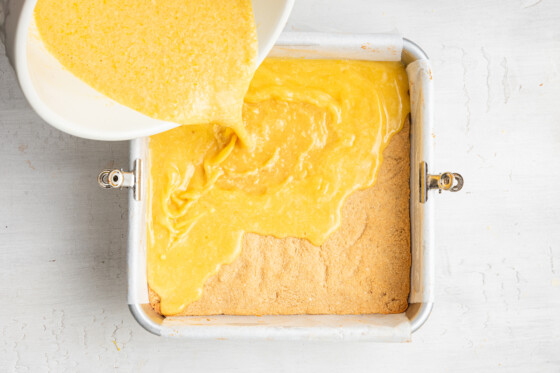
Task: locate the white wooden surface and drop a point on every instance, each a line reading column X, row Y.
column 497, row 75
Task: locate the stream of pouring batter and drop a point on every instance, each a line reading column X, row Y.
column 319, row 129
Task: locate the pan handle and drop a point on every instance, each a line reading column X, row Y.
column 449, row 181
column 119, row 179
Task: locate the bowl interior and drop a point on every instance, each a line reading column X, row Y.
column 72, row 106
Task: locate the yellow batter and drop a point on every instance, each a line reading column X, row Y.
column 182, row 61
column 319, row 126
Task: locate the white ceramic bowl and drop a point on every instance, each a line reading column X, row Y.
column 72, row 106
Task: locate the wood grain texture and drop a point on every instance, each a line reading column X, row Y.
column 497, row 79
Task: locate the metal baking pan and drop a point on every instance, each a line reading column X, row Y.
column 391, row 328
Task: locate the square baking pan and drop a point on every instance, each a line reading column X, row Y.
column 371, row 327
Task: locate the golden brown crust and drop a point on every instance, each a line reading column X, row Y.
column 363, row 267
